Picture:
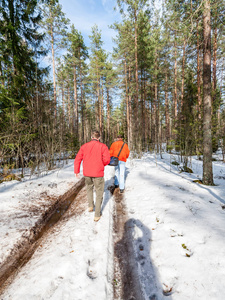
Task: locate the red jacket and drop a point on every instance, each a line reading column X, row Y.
column 95, row 156
column 115, row 149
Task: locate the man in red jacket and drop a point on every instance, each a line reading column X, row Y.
column 95, row 156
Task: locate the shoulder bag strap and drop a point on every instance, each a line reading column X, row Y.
column 121, row 149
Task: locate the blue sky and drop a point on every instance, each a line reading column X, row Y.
column 84, row 14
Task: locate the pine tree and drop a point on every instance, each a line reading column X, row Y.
column 207, row 97
column 124, row 54
column 110, row 80
column 98, row 59
column 55, row 25
column 18, row 40
column 134, row 8
column 77, row 54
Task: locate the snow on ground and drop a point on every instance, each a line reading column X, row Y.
column 185, row 224
column 178, row 230
column 22, row 203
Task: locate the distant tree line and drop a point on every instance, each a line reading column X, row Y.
column 167, row 69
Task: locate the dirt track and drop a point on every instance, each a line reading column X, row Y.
column 126, row 279
column 24, row 249
column 126, row 284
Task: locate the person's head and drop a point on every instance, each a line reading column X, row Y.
column 119, row 137
column 95, row 135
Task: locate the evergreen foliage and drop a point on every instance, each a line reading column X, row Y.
column 157, row 74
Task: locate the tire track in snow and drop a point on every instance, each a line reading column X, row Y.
column 26, row 247
column 126, row 284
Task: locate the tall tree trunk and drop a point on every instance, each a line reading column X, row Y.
column 99, row 103
column 82, row 106
column 199, row 97
column 69, row 108
column 63, row 107
column 215, row 107
column 175, row 82
column 214, row 63
column 148, row 122
column 153, row 118
column 142, row 129
column 145, row 113
column 221, row 82
column 156, row 102
column 53, row 70
column 156, row 116
column 75, row 102
column 183, row 69
column 108, row 117
column 198, row 76
column 217, row 113
column 136, row 80
column 101, row 113
column 167, row 110
column 131, row 145
column 2, row 75
column 207, row 98
column 127, row 103
column 97, row 123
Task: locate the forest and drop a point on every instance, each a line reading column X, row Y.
column 162, row 88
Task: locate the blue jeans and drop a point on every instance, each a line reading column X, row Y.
column 120, row 175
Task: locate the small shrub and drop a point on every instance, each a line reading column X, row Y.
column 186, row 169
column 5, row 170
column 175, row 163
column 198, row 181
column 11, row 177
column 169, row 148
column 177, row 148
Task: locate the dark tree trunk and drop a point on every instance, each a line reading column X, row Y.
column 207, row 98
column 167, row 110
column 75, row 123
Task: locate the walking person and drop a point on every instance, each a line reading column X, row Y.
column 124, row 154
column 95, row 156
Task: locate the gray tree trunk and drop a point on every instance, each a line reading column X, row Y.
column 207, row 98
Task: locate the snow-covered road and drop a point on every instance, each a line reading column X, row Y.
column 177, row 228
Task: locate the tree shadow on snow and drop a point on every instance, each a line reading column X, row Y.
column 138, row 274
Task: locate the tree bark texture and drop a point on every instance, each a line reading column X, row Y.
column 53, row 69
column 136, row 80
column 175, row 83
column 207, row 98
column 167, row 110
column 127, row 104
column 183, row 70
column 198, row 76
column 75, row 101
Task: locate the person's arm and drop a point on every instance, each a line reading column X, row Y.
column 105, row 156
column 127, row 151
column 77, row 162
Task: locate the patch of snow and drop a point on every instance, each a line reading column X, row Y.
column 178, row 229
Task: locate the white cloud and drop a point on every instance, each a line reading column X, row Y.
column 109, row 5
column 85, row 14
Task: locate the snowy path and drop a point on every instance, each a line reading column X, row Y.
column 181, row 226
column 71, row 261
column 178, row 233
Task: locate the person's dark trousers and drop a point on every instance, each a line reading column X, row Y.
column 99, row 184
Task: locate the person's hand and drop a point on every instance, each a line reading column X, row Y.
column 77, row 175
